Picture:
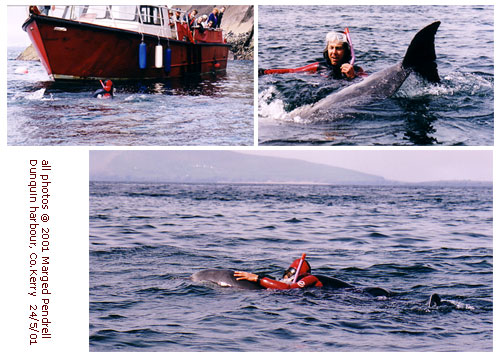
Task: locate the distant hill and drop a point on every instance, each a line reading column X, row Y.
column 216, row 167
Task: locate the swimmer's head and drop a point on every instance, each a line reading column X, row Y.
column 337, row 50
column 108, row 85
column 289, row 274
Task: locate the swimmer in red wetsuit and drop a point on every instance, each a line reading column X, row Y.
column 305, row 278
column 106, row 92
column 338, row 60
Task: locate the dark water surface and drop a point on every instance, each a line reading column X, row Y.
column 147, row 239
column 459, row 111
column 214, row 109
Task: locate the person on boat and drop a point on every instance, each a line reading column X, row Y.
column 213, row 17
column 219, row 16
column 336, row 63
column 200, row 25
column 305, row 278
column 175, row 16
column 190, row 18
column 204, row 21
column 44, row 9
column 106, row 92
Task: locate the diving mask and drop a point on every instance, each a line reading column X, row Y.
column 336, row 37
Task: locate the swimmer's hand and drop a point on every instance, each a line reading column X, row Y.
column 246, row 275
column 348, row 70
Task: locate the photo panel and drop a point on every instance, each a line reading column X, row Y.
column 376, row 75
column 177, row 76
column 232, row 250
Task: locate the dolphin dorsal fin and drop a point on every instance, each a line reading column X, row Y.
column 421, row 55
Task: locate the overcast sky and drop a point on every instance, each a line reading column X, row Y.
column 16, row 37
column 402, row 164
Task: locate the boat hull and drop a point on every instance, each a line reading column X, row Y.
column 76, row 50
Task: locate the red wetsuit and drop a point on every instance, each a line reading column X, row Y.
column 313, row 68
column 307, row 281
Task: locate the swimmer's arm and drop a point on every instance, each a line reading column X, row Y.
column 274, row 284
column 264, row 282
column 310, row 68
column 252, row 277
column 308, row 281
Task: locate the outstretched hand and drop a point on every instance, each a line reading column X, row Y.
column 246, row 275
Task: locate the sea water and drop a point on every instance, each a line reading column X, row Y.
column 208, row 110
column 458, row 111
column 147, row 239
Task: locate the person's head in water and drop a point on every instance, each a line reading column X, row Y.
column 108, row 86
column 289, row 274
column 337, row 50
column 107, row 90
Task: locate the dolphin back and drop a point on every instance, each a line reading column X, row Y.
column 421, row 54
column 223, row 278
column 329, row 282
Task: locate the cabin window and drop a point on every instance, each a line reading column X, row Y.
column 123, row 12
column 99, row 11
column 150, row 15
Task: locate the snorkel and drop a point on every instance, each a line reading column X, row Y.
column 346, row 31
column 298, row 268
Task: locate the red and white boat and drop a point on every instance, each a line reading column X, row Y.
column 122, row 42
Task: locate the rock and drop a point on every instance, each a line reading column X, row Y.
column 29, row 54
column 241, row 44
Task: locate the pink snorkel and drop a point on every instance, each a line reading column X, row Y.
column 300, row 266
column 346, row 31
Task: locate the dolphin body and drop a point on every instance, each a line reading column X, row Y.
column 420, row 58
column 225, row 278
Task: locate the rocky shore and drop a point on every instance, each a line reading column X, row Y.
column 241, row 45
column 29, row 54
